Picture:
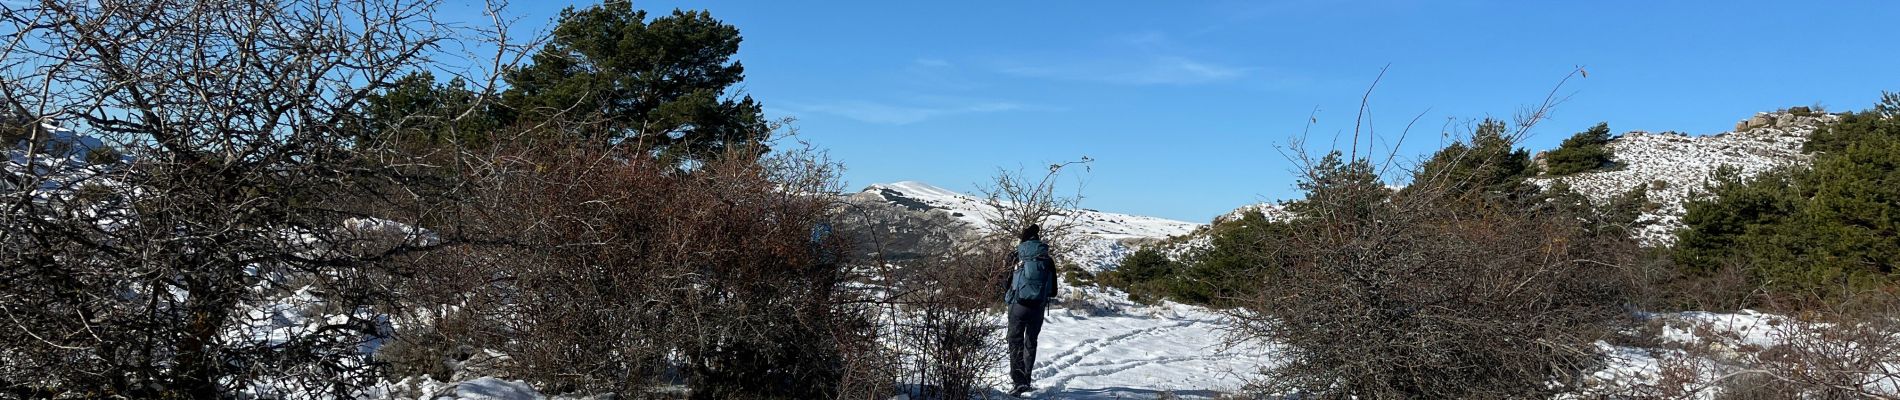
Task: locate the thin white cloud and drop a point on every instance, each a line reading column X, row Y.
column 931, row 63
column 1147, row 40
column 896, row 114
column 1152, row 70
column 936, row 74
column 1138, row 58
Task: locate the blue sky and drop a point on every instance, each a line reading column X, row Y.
column 1182, row 104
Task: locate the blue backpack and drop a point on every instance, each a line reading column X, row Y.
column 1034, row 279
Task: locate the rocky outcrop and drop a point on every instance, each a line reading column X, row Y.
column 1789, row 118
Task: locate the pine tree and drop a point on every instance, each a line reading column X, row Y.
column 1586, row 151
column 1487, row 166
column 418, row 115
column 1139, row 273
column 664, row 85
column 1857, row 126
column 1823, row 230
column 1338, row 185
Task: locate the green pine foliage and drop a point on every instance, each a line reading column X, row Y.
column 1622, row 211
column 1210, row 276
column 15, row 128
column 1343, row 186
column 1584, row 152
column 1239, row 254
column 1819, row 232
column 1854, row 127
column 1485, row 165
column 1485, row 172
column 1618, row 217
column 1144, row 275
column 1731, row 209
column 616, row 77
column 1243, row 250
column 420, row 115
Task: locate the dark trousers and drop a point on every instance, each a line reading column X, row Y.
column 1025, row 322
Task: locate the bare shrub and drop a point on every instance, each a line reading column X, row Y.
column 938, row 291
column 1411, row 299
column 1847, row 351
column 1463, row 284
column 952, row 329
column 1751, row 387
column 1021, row 199
column 267, row 233
column 226, row 254
column 622, row 274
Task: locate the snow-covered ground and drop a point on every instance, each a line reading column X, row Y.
column 1141, row 353
column 483, row 388
column 1701, row 355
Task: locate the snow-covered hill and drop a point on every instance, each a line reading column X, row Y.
column 1675, row 166
column 973, row 209
column 1273, row 211
column 1103, row 238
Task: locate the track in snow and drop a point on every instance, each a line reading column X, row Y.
column 1074, row 354
column 1123, row 357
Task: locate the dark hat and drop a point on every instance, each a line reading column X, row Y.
column 1032, row 232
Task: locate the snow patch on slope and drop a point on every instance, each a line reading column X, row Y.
column 1273, row 212
column 1726, row 347
column 1676, row 166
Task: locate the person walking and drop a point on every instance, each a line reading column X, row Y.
column 1032, row 285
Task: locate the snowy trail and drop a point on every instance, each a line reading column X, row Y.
column 1170, row 349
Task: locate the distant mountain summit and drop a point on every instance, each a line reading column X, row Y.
column 917, row 219
column 972, row 209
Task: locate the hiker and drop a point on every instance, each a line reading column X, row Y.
column 1032, row 284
